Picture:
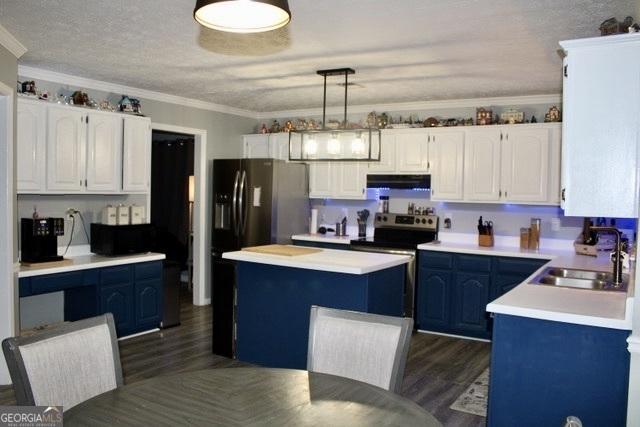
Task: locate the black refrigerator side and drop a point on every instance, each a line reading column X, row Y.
column 225, row 237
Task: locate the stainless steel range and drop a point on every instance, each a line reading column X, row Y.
column 401, row 234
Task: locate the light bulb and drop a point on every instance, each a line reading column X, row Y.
column 311, row 147
column 333, row 145
column 357, row 145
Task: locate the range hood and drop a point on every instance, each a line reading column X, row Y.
column 404, row 182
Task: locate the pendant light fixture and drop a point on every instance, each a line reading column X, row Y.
column 242, row 16
column 344, row 144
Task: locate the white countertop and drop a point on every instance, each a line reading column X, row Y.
column 86, row 262
column 334, row 260
column 324, row 238
column 579, row 306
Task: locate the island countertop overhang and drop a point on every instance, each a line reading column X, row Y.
column 332, row 260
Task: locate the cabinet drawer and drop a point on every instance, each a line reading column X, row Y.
column 56, row 282
column 430, row 259
column 518, row 266
column 148, row 270
column 115, row 275
column 473, row 263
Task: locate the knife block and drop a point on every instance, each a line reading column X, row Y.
column 485, row 240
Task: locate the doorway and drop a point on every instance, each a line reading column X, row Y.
column 172, row 198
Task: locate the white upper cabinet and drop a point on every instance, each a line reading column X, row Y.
column 104, row 152
column 136, row 162
column 321, row 180
column 412, row 151
column 446, row 158
column 257, row 146
column 338, row 180
column 482, row 165
column 31, row 148
column 66, row 141
column 387, row 153
column 279, row 146
column 64, row 149
column 601, row 126
column 525, row 165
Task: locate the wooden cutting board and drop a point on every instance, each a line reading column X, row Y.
column 282, row 250
column 61, row 263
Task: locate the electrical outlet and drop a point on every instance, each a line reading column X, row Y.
column 448, row 219
column 68, row 214
column 555, row 224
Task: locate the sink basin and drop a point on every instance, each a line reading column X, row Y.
column 582, row 279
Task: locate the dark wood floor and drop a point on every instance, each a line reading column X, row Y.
column 438, row 369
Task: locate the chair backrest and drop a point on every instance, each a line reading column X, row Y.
column 366, row 347
column 65, row 365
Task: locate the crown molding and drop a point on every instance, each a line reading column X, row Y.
column 419, row 106
column 82, row 82
column 11, row 43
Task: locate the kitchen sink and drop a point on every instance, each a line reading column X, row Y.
column 582, row 279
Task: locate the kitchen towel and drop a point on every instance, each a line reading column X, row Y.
column 313, row 224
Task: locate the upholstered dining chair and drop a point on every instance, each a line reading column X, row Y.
column 366, row 347
column 65, row 365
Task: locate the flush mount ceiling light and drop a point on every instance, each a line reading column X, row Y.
column 344, row 144
column 242, row 16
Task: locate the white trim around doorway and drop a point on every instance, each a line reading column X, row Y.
column 201, row 238
column 8, row 267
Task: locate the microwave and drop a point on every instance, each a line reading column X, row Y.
column 112, row 240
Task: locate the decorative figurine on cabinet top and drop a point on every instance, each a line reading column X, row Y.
column 553, row 115
column 512, row 117
column 613, row 26
column 275, row 127
column 288, row 126
column 80, row 98
column 264, row 129
column 484, row 117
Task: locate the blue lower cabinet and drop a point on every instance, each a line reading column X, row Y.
column 148, row 303
column 119, row 301
column 453, row 290
column 544, row 371
column 434, row 299
column 470, row 297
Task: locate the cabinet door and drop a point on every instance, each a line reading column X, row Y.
column 136, row 162
column 600, row 145
column 31, row 133
column 433, row 299
column 257, row 146
column 119, row 300
column 350, row 181
column 66, row 139
column 279, row 145
column 446, row 158
column 104, row 152
column 469, row 301
column 525, row 165
column 148, row 303
column 412, row 152
column 482, row 165
column 387, row 148
column 320, row 180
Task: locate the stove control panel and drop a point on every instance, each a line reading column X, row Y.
column 390, row 220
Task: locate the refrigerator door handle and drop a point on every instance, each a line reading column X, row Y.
column 234, row 204
column 243, row 212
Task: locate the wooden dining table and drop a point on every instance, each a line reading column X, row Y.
column 249, row 397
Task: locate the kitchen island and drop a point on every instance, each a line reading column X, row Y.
column 556, row 351
column 276, row 292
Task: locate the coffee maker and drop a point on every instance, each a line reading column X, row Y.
column 39, row 239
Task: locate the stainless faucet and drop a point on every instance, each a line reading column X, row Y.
column 617, row 257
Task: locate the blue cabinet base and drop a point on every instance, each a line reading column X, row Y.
column 132, row 292
column 543, row 371
column 274, row 304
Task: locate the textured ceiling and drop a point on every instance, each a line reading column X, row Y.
column 411, row 50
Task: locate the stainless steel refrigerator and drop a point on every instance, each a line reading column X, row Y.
column 256, row 202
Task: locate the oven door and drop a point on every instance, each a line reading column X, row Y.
column 409, row 277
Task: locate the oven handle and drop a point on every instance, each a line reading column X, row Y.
column 379, row 250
